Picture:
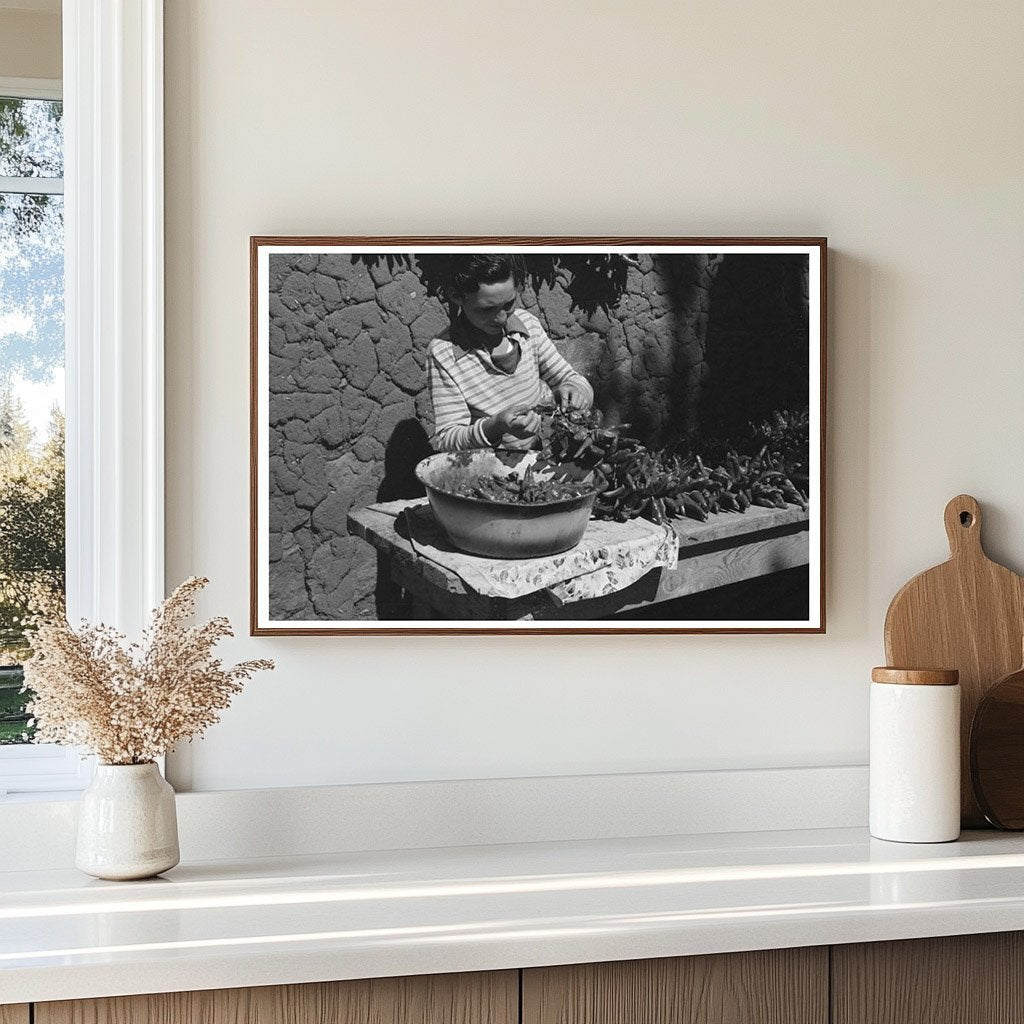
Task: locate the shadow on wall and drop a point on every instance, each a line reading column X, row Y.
column 406, row 447
column 592, row 281
column 756, row 342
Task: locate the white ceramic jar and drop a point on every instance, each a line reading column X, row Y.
column 127, row 823
column 915, row 755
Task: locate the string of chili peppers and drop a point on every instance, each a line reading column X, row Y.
column 767, row 467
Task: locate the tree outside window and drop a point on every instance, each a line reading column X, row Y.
column 31, row 385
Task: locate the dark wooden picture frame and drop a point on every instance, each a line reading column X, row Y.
column 305, row 328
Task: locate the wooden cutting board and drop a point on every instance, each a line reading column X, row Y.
column 967, row 614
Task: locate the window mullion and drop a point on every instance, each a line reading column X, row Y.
column 32, row 186
column 113, row 115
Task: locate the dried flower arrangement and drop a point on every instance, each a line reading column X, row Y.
column 129, row 704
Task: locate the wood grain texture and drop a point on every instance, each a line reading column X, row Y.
column 961, row 979
column 915, row 676
column 967, row 614
column 14, row 1014
column 480, row 998
column 777, row 986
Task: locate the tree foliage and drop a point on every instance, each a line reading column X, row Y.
column 31, row 348
column 592, row 280
column 32, row 548
column 31, row 242
column 31, row 138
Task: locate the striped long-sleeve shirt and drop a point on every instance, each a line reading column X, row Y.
column 466, row 386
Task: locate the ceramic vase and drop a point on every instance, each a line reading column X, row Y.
column 127, row 825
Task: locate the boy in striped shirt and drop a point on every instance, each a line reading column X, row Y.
column 495, row 362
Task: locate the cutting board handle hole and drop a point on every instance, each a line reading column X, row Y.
column 962, row 518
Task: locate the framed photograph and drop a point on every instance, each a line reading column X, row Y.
column 537, row 435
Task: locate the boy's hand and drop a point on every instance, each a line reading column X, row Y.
column 569, row 397
column 520, row 421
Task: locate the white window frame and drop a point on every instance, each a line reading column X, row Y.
column 32, row 88
column 114, row 345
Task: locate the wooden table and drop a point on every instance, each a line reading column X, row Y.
column 728, row 548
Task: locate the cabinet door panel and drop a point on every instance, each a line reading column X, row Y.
column 14, row 1014
column 482, row 998
column 778, row 986
column 960, row 979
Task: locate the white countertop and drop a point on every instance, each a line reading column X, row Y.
column 356, row 915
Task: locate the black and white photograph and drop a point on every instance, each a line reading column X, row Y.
column 537, row 435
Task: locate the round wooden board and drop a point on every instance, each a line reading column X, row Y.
column 997, row 752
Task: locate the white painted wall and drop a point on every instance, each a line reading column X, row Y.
column 30, row 40
column 895, row 129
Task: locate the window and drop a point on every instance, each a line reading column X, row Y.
column 113, row 331
column 31, row 381
column 32, row 532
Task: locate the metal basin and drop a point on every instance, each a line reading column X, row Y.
column 505, row 529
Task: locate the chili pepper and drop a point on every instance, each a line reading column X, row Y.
column 717, row 477
column 693, row 510
column 583, row 448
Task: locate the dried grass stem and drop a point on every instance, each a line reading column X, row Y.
column 130, row 703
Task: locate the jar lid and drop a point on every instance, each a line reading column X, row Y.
column 916, row 676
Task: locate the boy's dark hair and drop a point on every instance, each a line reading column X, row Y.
column 467, row 272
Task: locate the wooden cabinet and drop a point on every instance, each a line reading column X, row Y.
column 482, row 998
column 967, row 979
column 777, row 986
column 962, row 979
